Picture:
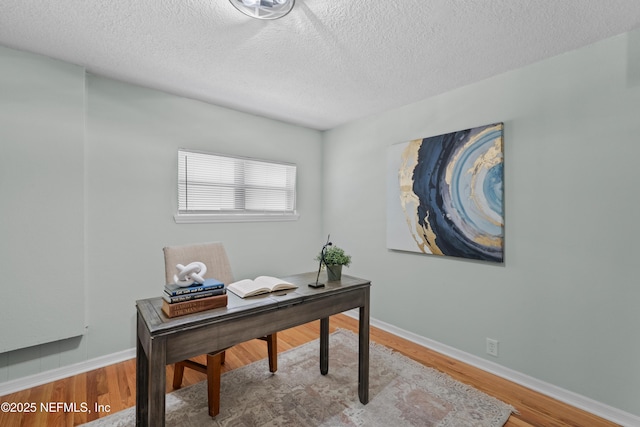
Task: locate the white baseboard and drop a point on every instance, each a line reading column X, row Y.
column 35, row 380
column 576, row 400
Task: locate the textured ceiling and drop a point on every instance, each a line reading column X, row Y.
column 326, row 63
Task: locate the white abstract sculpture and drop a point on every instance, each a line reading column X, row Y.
column 190, row 274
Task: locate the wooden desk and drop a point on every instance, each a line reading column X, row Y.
column 162, row 341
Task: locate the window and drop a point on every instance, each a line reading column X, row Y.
column 213, row 187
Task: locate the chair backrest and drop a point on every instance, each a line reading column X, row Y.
column 212, row 255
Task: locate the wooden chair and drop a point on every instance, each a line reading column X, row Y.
column 214, row 256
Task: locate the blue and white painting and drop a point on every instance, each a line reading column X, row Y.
column 445, row 194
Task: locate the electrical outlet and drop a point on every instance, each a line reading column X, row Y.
column 492, row 347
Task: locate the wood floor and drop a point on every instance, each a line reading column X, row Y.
column 111, row 389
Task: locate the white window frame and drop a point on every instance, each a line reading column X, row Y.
column 232, row 189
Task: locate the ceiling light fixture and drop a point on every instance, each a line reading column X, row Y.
column 264, row 9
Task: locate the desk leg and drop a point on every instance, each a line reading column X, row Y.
column 142, row 385
column 363, row 351
column 150, row 378
column 157, row 382
column 324, row 345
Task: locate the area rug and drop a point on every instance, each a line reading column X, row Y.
column 402, row 392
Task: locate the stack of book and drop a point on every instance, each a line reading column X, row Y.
column 178, row 301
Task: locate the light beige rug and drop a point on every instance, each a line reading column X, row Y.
column 402, row 393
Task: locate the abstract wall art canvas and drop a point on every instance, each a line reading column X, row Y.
column 445, row 194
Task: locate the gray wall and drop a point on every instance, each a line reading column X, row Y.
column 41, row 200
column 133, row 135
column 565, row 305
column 129, row 161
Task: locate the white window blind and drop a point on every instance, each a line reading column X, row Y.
column 234, row 188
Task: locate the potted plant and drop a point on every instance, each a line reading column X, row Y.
column 334, row 258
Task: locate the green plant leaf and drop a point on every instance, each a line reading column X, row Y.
column 335, row 256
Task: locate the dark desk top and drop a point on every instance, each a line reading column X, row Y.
column 158, row 323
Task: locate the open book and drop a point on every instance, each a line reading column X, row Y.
column 259, row 285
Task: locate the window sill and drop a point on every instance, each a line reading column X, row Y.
column 206, row 218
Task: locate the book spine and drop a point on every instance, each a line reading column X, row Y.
column 190, row 289
column 191, row 296
column 188, row 307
